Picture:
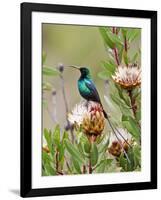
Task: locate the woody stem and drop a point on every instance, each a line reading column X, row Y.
column 90, row 166
column 89, row 161
column 125, row 43
column 66, row 106
column 115, row 50
column 125, row 47
column 116, row 55
column 84, row 169
column 134, row 107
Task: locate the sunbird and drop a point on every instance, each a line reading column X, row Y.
column 87, row 88
column 88, row 91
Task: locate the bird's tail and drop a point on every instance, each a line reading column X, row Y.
column 105, row 114
column 115, row 132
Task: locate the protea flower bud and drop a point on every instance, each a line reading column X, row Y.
column 116, row 147
column 61, row 67
column 89, row 115
column 94, row 121
column 128, row 77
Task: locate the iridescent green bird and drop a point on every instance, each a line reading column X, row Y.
column 87, row 87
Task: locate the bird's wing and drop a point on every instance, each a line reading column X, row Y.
column 94, row 93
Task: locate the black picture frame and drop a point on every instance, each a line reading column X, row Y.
column 26, row 96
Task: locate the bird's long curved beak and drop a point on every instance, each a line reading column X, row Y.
column 73, row 66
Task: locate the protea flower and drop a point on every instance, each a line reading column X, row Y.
column 119, row 144
column 89, row 115
column 128, row 77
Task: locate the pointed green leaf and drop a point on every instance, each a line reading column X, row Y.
column 105, row 162
column 104, row 146
column 124, row 108
column 56, row 135
column 46, row 161
column 132, row 127
column 45, row 157
column 104, row 75
column 47, row 135
column 134, row 58
column 50, row 71
column 73, row 151
column 123, row 162
column 137, row 155
column 116, row 39
column 125, row 57
column 81, row 149
column 124, row 95
column 120, row 50
column 136, row 92
column 94, row 154
column 76, row 166
column 50, row 169
column 65, row 136
column 133, row 34
column 105, row 34
column 87, row 147
column 138, row 115
column 124, row 31
column 109, row 66
column 61, row 151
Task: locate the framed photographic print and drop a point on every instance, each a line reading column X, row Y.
column 88, row 99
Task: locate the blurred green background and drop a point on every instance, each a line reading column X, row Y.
column 72, row 45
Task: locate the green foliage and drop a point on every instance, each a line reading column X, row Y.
column 104, row 75
column 131, row 125
column 65, row 157
column 76, row 165
column 125, row 57
column 133, row 34
column 117, row 41
column 48, row 136
column 124, row 32
column 106, row 37
column 134, row 57
column 49, row 71
column 56, row 135
column 73, row 151
column 94, row 154
column 134, row 156
column 108, row 70
column 120, row 99
column 127, row 103
column 87, row 147
column 103, row 164
column 47, row 164
column 56, row 149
